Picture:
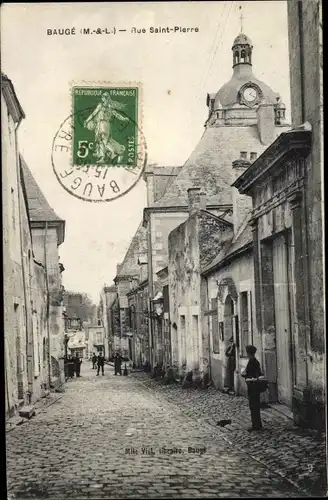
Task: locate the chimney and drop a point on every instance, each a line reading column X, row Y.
column 266, row 122
column 202, row 200
column 196, row 200
column 241, row 204
column 150, row 183
column 241, row 164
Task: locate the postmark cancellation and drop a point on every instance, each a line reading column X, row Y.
column 99, row 151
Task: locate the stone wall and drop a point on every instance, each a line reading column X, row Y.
column 192, row 244
column 161, row 225
column 16, row 384
column 305, row 41
column 46, row 252
column 240, row 272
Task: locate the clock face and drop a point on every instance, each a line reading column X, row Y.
column 250, row 94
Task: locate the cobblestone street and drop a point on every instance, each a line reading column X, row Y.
column 103, row 438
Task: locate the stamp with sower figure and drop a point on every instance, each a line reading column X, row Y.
column 99, row 152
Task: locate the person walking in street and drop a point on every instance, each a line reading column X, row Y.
column 100, row 363
column 255, row 385
column 231, row 365
column 73, row 359
column 70, row 367
column 94, row 361
column 77, row 365
column 117, row 363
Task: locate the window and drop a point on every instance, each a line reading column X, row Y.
column 243, row 56
column 195, row 335
column 215, row 326
column 246, row 334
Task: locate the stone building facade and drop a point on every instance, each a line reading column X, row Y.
column 210, row 265
column 15, row 320
column 26, row 317
column 94, row 335
column 285, row 184
column 107, row 298
column 234, row 236
column 48, row 233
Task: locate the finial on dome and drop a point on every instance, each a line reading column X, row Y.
column 241, row 18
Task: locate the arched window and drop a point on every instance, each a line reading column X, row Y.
column 243, row 56
column 236, row 57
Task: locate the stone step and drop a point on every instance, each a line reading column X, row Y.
column 27, row 412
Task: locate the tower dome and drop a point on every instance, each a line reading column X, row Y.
column 243, row 78
column 242, row 39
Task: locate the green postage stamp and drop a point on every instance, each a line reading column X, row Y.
column 99, row 152
column 105, row 125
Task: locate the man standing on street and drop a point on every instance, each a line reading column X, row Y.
column 100, row 363
column 94, row 361
column 117, row 363
column 253, row 375
column 78, row 363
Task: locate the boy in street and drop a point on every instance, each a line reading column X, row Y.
column 94, row 361
column 100, row 363
column 252, row 374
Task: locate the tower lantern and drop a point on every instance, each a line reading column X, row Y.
column 242, row 50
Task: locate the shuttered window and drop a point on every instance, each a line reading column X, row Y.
column 215, row 326
column 246, row 333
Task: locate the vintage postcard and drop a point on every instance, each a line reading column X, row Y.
column 162, row 185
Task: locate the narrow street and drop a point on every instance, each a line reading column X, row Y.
column 103, row 438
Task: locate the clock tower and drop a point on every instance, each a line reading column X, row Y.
column 240, row 101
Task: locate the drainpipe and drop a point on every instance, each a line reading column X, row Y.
column 150, row 296
column 48, row 303
column 301, row 39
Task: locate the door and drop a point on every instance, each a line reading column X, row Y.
column 282, row 319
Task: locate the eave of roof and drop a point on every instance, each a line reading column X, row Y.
column 40, row 212
column 242, row 242
column 148, row 210
column 296, row 141
column 129, row 267
column 141, row 286
column 11, row 99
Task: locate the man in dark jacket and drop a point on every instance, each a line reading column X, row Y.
column 94, row 361
column 78, row 363
column 100, row 363
column 252, row 374
column 231, row 364
column 118, row 363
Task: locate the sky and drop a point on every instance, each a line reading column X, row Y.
column 177, row 70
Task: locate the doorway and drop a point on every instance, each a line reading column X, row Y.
column 282, row 319
column 230, row 362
